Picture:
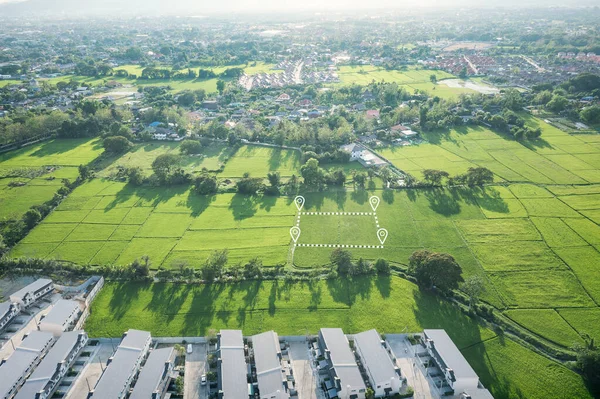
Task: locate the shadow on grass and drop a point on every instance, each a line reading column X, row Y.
column 448, row 201
column 124, row 293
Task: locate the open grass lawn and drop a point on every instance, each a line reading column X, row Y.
column 258, row 161
column 304, row 307
column 61, row 159
column 143, row 155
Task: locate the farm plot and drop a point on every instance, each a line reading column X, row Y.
column 538, row 320
column 258, row 161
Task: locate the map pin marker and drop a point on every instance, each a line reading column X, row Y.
column 295, row 233
column 299, row 201
column 374, row 201
column 382, row 234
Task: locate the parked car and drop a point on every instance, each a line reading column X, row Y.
column 203, row 379
column 189, row 348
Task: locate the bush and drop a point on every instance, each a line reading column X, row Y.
column 382, row 266
column 189, row 147
column 117, row 144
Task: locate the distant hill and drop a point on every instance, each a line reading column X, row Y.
column 185, row 7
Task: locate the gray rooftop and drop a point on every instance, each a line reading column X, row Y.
column 450, row 354
column 123, row 365
column 36, row 285
column 152, row 373
column 268, row 364
column 4, row 308
column 61, row 310
column 45, row 370
column 17, row 364
column 374, row 356
column 234, row 379
column 342, row 358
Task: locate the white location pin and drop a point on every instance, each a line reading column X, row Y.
column 382, row 234
column 374, row 201
column 295, row 233
column 299, row 201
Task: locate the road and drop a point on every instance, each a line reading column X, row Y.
column 298, row 72
column 195, row 366
column 304, row 373
column 473, row 67
column 533, row 64
column 92, row 371
column 405, row 353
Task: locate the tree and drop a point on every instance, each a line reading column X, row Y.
column 463, row 73
column 557, row 104
column 31, row 218
column 164, row 164
column 382, row 266
column 311, row 172
column 359, row 179
column 475, row 177
column 140, row 269
column 341, row 259
column 189, row 147
column 117, row 144
column 588, row 362
column 433, row 269
column 473, row 286
column 433, row 78
column 135, row 175
column 249, row 185
column 3, row 246
column 253, row 268
column 274, row 179
column 513, row 100
column 205, row 184
column 591, row 114
column 179, row 385
column 434, row 177
column 84, row 172
column 220, row 86
column 214, row 265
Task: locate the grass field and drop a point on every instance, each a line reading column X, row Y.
column 300, row 308
column 259, row 161
column 59, row 159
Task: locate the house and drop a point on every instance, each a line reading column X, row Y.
column 271, row 376
column 408, row 134
column 372, row 114
column 123, row 366
column 210, row 105
column 283, row 97
column 62, row 317
column 33, row 292
column 156, row 375
column 399, row 128
column 360, row 153
column 8, row 311
column 384, row 375
column 23, row 360
column 456, row 371
column 346, row 380
column 45, row 379
column 232, row 376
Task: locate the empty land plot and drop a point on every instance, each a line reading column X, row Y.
column 582, row 202
column 516, row 256
column 258, row 161
column 585, row 263
column 557, row 233
column 575, row 190
column 338, row 229
column 548, row 288
column 538, row 321
column 483, row 231
column 505, row 368
column 548, row 207
column 364, row 75
column 587, row 229
column 585, row 321
column 142, row 156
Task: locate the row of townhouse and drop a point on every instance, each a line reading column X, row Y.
column 22, row 299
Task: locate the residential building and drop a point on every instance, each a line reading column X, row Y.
column 271, row 376
column 62, row 317
column 123, row 366
column 384, row 375
column 155, row 376
column 45, row 379
column 8, row 311
column 23, row 360
column 231, row 364
column 346, row 381
column 456, row 371
column 33, row 292
column 363, row 155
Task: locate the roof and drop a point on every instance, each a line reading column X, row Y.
column 154, row 124
column 17, row 364
column 450, row 354
column 123, row 365
column 35, row 286
column 374, row 356
column 46, row 369
column 234, row 381
column 342, row 358
column 268, row 364
column 5, row 308
column 152, row 374
column 60, row 312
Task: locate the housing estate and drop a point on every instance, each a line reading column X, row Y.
column 26, row 296
column 457, row 373
column 272, row 377
column 232, row 375
column 123, row 366
column 23, row 360
column 384, row 376
column 153, row 381
column 45, row 379
column 346, row 381
column 8, row 311
column 62, row 317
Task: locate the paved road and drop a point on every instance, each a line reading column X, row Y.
column 405, row 353
column 195, row 366
column 30, row 324
column 91, row 372
column 304, row 372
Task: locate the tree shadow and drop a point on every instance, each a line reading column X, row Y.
column 384, row 285
column 360, row 196
column 54, row 147
column 243, row 206
column 388, row 196
column 123, row 294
